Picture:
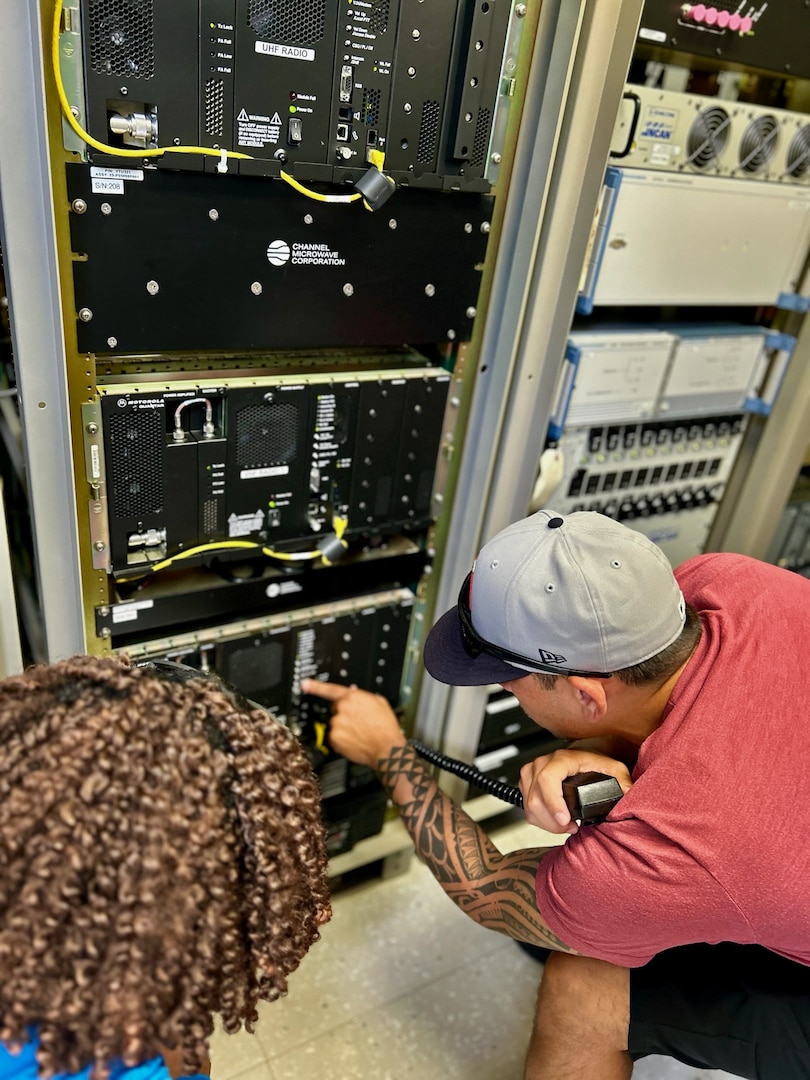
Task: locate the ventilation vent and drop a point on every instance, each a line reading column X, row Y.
column 758, row 144
column 256, row 668
column 378, row 23
column 214, row 108
column 481, row 140
column 707, row 137
column 136, row 462
column 428, row 133
column 211, row 517
column 299, row 21
column 798, row 155
column 122, row 38
column 371, row 106
column 266, row 435
column 383, row 493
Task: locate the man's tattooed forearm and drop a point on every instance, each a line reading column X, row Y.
column 497, row 891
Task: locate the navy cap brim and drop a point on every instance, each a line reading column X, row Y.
column 447, row 661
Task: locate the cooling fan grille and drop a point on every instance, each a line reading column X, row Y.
column 758, row 143
column 798, row 155
column 707, row 137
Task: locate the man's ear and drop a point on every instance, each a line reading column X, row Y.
column 591, row 694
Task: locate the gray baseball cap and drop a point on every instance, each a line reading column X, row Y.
column 566, row 594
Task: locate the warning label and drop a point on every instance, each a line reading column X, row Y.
column 245, row 524
column 254, row 129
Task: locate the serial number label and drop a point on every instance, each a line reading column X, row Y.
column 107, row 187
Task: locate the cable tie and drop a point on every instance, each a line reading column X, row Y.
column 222, row 164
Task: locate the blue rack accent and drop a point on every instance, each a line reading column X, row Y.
column 793, row 302
column 556, row 425
column 612, row 183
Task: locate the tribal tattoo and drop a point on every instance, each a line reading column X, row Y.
column 495, row 890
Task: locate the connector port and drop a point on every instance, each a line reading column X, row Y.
column 346, row 82
column 371, row 137
column 343, row 133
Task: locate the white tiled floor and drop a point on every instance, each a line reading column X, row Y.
column 402, row 986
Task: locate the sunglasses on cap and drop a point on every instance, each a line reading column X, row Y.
column 474, row 644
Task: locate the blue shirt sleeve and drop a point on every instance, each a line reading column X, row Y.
column 23, row 1066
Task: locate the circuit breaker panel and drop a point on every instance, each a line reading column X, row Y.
column 649, row 422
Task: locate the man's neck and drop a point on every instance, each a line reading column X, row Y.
column 638, row 711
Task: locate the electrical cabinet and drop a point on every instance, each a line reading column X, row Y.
column 292, row 288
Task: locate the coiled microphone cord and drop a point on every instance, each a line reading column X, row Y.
column 469, row 773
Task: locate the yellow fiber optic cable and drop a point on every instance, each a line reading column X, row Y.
column 103, row 147
column 310, row 194
column 226, row 545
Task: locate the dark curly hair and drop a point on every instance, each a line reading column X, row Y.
column 162, row 859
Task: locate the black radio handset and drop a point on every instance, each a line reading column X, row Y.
column 589, row 796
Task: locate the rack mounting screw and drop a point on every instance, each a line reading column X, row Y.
column 105, row 632
column 496, row 159
column 85, row 314
column 485, row 227
column 471, row 312
column 520, row 10
column 256, row 288
column 152, row 288
column 103, row 612
column 99, row 545
column 79, row 206
column 92, row 429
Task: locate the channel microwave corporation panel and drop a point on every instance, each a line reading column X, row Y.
column 315, row 87
column 361, row 639
column 772, row 36
column 192, row 262
column 663, row 129
column 669, row 238
column 276, row 463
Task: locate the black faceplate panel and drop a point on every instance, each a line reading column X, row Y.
column 187, row 261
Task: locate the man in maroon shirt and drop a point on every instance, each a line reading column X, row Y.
column 680, row 925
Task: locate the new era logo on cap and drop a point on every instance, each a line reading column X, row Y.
column 550, row 657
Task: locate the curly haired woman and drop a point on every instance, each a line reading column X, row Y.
column 162, row 860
